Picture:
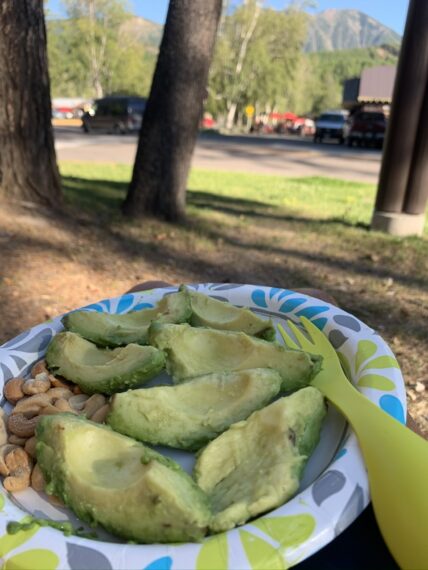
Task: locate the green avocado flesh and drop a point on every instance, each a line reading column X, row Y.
column 256, row 464
column 99, row 369
column 119, row 330
column 215, row 314
column 195, row 351
column 112, row 480
column 190, row 414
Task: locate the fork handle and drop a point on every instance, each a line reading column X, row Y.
column 397, row 464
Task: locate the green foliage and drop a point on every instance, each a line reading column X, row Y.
column 320, row 76
column 91, row 53
column 259, row 60
column 257, row 53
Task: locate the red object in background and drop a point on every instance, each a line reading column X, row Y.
column 207, row 121
column 283, row 116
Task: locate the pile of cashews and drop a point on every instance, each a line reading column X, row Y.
column 32, row 398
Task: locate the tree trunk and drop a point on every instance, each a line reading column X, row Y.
column 231, row 115
column 173, row 111
column 28, row 169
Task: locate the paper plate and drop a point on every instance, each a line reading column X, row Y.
column 333, row 492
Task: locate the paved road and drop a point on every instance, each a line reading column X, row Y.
column 285, row 156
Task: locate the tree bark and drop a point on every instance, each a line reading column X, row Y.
column 173, row 111
column 28, row 169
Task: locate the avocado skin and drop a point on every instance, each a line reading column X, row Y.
column 149, row 363
column 163, row 504
column 109, row 330
column 193, row 352
column 190, row 414
column 256, row 465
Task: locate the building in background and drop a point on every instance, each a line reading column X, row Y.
column 372, row 89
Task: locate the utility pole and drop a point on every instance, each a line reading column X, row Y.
column 403, row 183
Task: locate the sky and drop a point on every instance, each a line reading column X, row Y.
column 392, row 13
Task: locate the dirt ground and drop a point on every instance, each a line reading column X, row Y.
column 49, row 265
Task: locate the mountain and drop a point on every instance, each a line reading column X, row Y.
column 328, row 31
column 347, row 29
column 144, row 31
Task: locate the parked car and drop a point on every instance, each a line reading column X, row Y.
column 330, row 125
column 366, row 128
column 115, row 114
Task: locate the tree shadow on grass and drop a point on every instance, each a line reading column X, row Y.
column 255, row 209
column 94, row 195
column 106, row 197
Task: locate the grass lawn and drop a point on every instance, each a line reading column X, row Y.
column 104, row 187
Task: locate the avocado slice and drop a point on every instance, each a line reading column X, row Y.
column 109, row 479
column 101, row 369
column 190, row 414
column 215, row 314
column 119, row 330
column 256, row 464
column 196, row 351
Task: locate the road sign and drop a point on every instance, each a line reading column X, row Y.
column 249, row 110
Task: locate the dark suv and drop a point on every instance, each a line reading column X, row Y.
column 115, row 115
column 367, row 128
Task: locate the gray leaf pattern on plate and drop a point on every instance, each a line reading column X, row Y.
column 226, row 287
column 328, row 484
column 353, row 508
column 80, row 557
column 219, row 298
column 347, row 322
column 20, row 362
column 37, row 343
column 337, row 338
column 6, row 373
column 16, row 340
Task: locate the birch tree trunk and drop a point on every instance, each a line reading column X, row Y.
column 246, row 37
column 28, row 169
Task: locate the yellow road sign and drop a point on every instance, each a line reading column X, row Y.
column 249, row 110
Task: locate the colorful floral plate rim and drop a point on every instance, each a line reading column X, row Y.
column 280, row 539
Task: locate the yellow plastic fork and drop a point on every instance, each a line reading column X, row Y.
column 396, row 458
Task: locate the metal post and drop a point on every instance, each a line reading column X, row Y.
column 417, row 188
column 409, row 92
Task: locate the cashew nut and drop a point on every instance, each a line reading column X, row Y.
column 37, row 479
column 13, row 390
column 64, row 406
column 22, row 426
column 100, row 415
column 4, row 450
column 19, row 464
column 19, row 481
column 58, row 392
column 15, row 440
column 58, row 383
column 78, row 401
column 39, row 368
column 32, row 405
column 49, row 410
column 3, row 430
column 30, row 446
column 37, row 385
column 94, row 403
